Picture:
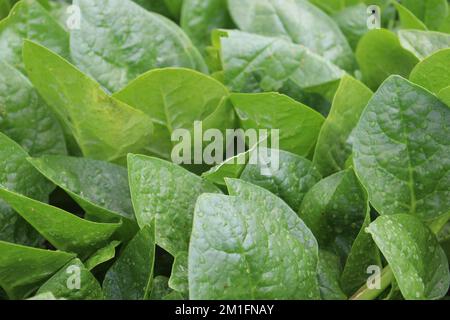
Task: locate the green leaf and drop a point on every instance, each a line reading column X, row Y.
column 105, row 128
column 335, row 142
column 61, row 12
column 73, row 282
column 5, row 6
column 200, row 17
column 130, row 277
column 18, row 175
column 423, row 43
column 363, row 254
column 401, row 151
column 166, row 193
column 25, row 117
column 444, row 239
column 157, row 42
column 230, row 234
column 44, row 296
column 63, row 230
column 230, row 168
column 296, row 20
column 444, row 95
column 352, row 21
column 233, row 166
column 332, row 6
column 102, row 255
column 298, row 124
column 445, row 26
column 432, row 12
column 291, row 181
column 23, row 269
column 160, row 288
column 418, row 262
column 157, row 6
column 100, row 188
column 174, row 7
column 174, row 296
column 407, row 19
column 433, row 73
column 29, row 20
column 329, row 271
column 179, row 277
column 380, row 54
column 166, row 96
column 168, row 8
column 335, row 210
column 254, row 63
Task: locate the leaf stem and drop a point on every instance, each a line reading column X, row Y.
column 366, row 293
column 387, row 276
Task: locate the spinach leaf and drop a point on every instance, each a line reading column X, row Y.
column 63, row 230
column 200, row 17
column 297, row 20
column 407, row 19
column 156, row 42
column 23, row 269
column 105, row 128
column 419, row 264
column 5, row 6
column 18, row 175
column 329, row 271
column 363, row 254
column 61, row 12
column 335, row 209
column 100, row 188
column 298, row 124
column 164, row 7
column 230, row 168
column 131, row 276
column 380, row 55
column 160, row 288
column 433, row 73
column 291, row 181
column 73, row 282
column 254, row 63
column 233, row 166
column 401, row 151
column 102, row 255
column 444, row 95
column 333, row 6
column 25, row 117
column 445, row 26
column 29, row 20
column 43, row 297
column 432, row 12
column 423, row 43
column 230, row 234
column 166, row 193
column 335, row 142
column 165, row 95
column 337, row 167
column 352, row 21
column 162, row 291
column 179, row 277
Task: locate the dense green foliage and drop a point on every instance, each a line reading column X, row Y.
column 93, row 206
